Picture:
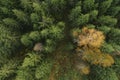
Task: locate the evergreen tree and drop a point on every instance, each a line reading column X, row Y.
column 36, row 41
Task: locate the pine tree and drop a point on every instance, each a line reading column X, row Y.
column 35, row 35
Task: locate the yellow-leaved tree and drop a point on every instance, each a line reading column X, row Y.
column 89, row 42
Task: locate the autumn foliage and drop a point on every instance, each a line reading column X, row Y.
column 59, row 39
column 88, row 43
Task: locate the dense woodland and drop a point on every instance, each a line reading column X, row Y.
column 59, row 39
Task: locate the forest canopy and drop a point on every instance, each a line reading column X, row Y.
column 59, row 39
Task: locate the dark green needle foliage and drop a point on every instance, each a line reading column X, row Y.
column 36, row 41
column 99, row 73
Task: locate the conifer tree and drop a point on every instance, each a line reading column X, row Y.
column 35, row 39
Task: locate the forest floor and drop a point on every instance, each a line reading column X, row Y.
column 64, row 61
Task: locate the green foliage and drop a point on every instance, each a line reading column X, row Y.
column 20, row 15
column 56, row 7
column 75, row 14
column 8, row 69
column 78, row 19
column 116, row 67
column 26, row 40
column 105, row 29
column 93, row 15
column 103, row 7
column 107, row 48
column 43, row 70
column 10, row 22
column 114, row 36
column 44, row 33
column 114, row 10
column 25, row 74
column 4, row 10
column 56, row 32
column 88, row 5
column 31, row 60
column 9, row 42
column 35, row 35
column 49, row 49
column 46, row 21
column 83, row 19
column 116, row 47
column 99, row 73
column 24, row 23
column 26, row 4
column 34, row 17
column 49, row 42
column 36, row 6
column 107, row 20
column 115, row 2
column 91, row 26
